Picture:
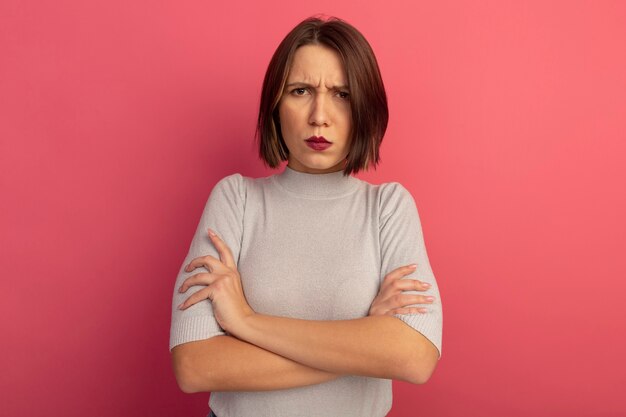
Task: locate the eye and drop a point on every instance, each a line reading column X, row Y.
column 344, row 94
column 298, row 91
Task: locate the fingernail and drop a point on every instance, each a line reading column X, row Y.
column 422, row 310
column 180, row 289
column 180, row 307
column 426, row 284
column 413, row 266
column 430, row 299
column 212, row 233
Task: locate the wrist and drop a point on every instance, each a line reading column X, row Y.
column 241, row 328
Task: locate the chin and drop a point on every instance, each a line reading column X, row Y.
column 316, row 162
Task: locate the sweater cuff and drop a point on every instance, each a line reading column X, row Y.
column 194, row 328
column 424, row 323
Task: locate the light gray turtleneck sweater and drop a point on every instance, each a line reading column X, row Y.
column 316, row 247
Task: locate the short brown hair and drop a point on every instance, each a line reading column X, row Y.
column 368, row 100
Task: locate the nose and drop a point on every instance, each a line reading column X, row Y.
column 319, row 112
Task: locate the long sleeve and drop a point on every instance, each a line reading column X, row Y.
column 402, row 243
column 223, row 213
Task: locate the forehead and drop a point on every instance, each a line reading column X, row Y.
column 315, row 63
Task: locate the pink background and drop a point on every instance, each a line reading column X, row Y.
column 508, row 125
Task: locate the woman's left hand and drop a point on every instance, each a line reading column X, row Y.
column 223, row 286
column 391, row 298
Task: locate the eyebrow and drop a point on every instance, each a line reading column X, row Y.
column 297, row 83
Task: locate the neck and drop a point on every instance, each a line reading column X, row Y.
column 324, row 185
column 301, row 168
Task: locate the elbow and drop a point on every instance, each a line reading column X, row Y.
column 184, row 372
column 420, row 376
column 186, row 386
column 195, row 367
column 421, row 367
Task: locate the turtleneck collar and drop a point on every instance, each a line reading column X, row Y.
column 333, row 184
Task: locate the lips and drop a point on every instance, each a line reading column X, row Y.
column 317, row 139
column 318, row 143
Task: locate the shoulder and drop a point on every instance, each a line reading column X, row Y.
column 389, row 198
column 233, row 184
column 235, row 180
column 237, row 186
column 230, row 188
column 239, row 181
column 393, row 195
column 393, row 190
column 395, row 201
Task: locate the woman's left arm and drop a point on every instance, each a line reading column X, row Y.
column 376, row 346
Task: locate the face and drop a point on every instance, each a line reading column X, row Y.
column 316, row 103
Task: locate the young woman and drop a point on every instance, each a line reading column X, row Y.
column 305, row 292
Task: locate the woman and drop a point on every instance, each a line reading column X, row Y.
column 294, row 298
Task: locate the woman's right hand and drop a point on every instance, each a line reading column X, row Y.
column 391, row 298
column 222, row 286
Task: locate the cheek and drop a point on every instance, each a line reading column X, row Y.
column 286, row 117
column 347, row 121
column 283, row 121
column 345, row 113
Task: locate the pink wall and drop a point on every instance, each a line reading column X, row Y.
column 508, row 124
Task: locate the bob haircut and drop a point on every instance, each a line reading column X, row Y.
column 368, row 100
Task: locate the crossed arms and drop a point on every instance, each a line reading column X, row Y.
column 262, row 352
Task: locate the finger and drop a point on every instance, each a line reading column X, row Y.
column 196, row 297
column 198, row 279
column 226, row 256
column 407, row 310
column 408, row 284
column 400, row 272
column 208, row 261
column 404, row 300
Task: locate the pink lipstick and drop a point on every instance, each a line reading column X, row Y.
column 318, row 143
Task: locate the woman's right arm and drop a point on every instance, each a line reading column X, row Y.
column 224, row 363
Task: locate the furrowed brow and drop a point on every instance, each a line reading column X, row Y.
column 303, row 84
